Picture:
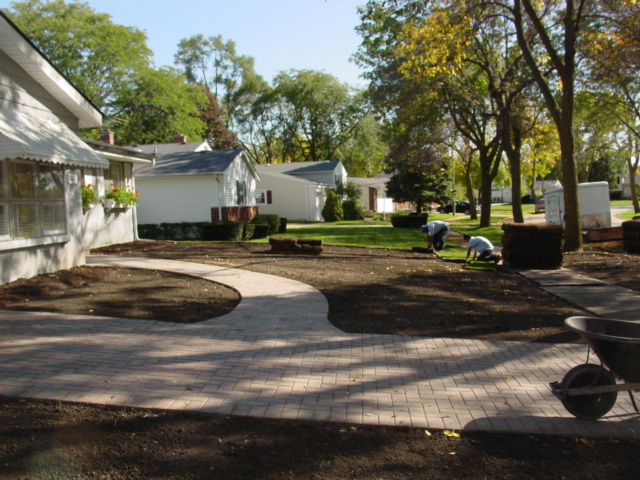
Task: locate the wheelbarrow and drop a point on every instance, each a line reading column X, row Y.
column 590, row 390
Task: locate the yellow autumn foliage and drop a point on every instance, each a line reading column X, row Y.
column 435, row 48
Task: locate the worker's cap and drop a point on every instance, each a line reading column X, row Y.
column 424, row 229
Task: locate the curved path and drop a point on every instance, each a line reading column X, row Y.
column 277, row 356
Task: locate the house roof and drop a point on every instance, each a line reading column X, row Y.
column 194, row 163
column 160, row 149
column 289, row 178
column 28, row 137
column 23, row 51
column 119, row 153
column 379, row 181
column 300, row 168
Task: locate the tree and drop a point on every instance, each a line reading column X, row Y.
column 231, row 77
column 98, row 56
column 453, row 57
column 363, row 154
column 318, row 114
column 156, row 105
column 548, row 34
column 216, row 132
column 332, row 210
column 419, row 171
column 612, row 50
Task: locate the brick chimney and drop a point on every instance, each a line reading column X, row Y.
column 106, row 136
column 180, row 138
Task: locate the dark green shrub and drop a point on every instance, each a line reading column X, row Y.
column 272, row 220
column 248, row 231
column 261, row 230
column 283, row 225
column 352, row 210
column 224, row 231
column 332, row 210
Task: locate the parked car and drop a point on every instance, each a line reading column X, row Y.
column 461, row 207
column 539, row 208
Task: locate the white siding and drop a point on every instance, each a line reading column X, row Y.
column 238, row 171
column 18, row 91
column 293, row 199
column 179, row 198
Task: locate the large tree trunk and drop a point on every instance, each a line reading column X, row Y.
column 572, row 227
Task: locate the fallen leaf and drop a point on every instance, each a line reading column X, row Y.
column 451, row 433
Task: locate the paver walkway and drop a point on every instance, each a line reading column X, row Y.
column 277, row 356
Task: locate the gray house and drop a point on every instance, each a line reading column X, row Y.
column 41, row 161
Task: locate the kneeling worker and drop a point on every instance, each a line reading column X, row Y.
column 482, row 246
column 436, row 233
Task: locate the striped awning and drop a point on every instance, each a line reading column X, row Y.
column 27, row 137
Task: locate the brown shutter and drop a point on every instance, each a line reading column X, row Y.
column 269, row 200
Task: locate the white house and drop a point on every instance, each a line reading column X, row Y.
column 41, row 161
column 626, row 185
column 330, row 172
column 293, row 198
column 374, row 193
column 200, row 186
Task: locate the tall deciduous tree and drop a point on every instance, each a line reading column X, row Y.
column 215, row 63
column 319, row 113
column 157, row 105
column 455, row 56
column 98, row 56
column 548, row 32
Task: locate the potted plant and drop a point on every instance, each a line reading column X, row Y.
column 120, row 197
column 88, row 196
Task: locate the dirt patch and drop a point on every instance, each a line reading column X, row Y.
column 375, row 291
column 369, row 291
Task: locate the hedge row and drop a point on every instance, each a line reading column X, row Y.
column 222, row 231
column 410, row 221
column 535, row 246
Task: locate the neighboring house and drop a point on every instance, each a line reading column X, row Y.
column 374, row 193
column 626, row 185
column 41, row 161
column 504, row 195
column 331, row 172
column 107, row 226
column 295, row 199
column 201, row 186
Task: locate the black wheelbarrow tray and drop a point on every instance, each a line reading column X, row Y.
column 590, row 390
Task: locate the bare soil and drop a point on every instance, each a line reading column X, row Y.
column 376, row 291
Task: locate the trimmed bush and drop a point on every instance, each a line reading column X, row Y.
column 352, row 210
column 272, row 220
column 261, row 230
column 409, row 221
column 224, row 231
column 248, row 232
column 532, row 246
column 332, row 210
column 283, row 225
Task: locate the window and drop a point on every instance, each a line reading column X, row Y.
column 31, row 199
column 263, row 197
column 116, row 175
column 241, row 192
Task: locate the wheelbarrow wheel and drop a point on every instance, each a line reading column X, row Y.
column 589, row 407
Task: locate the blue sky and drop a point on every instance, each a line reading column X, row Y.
column 278, row 34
